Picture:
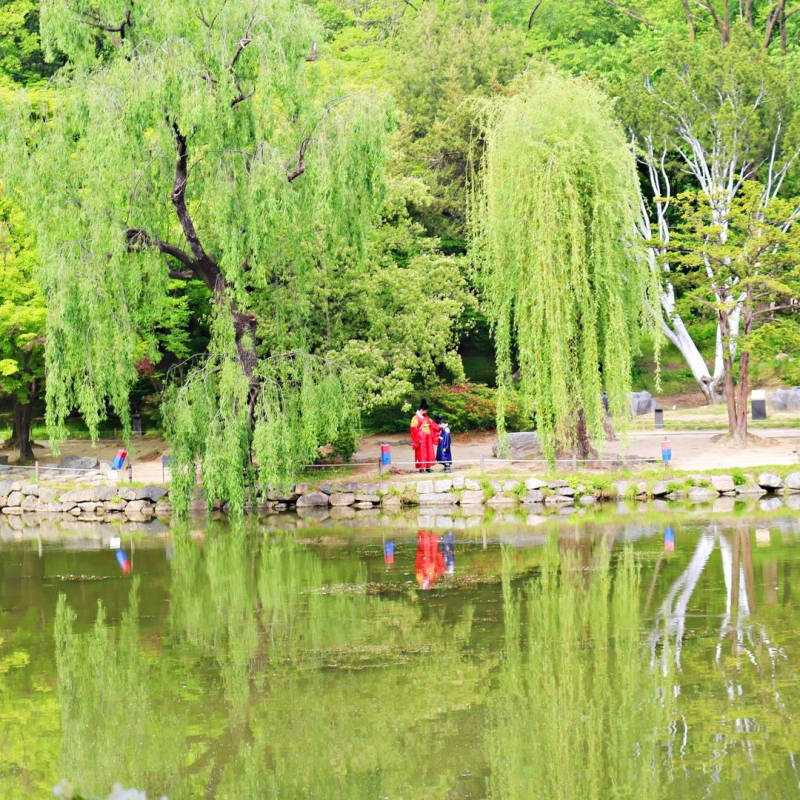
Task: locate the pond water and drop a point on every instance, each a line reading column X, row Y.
column 627, row 659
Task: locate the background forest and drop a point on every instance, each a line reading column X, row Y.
column 706, row 91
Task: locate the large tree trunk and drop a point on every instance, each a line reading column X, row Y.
column 735, row 394
column 21, row 430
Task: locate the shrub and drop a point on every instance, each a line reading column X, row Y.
column 466, row 406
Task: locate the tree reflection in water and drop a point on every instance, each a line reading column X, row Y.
column 284, row 672
column 577, row 712
column 328, row 690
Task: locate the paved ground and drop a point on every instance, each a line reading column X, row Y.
column 690, row 450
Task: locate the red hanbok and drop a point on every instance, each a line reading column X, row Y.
column 424, row 438
column 429, row 563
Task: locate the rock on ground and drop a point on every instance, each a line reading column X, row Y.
column 520, row 446
column 642, row 403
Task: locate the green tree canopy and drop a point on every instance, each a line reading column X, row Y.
column 22, row 324
column 553, row 235
column 193, row 143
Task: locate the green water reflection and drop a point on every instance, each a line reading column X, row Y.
column 240, row 662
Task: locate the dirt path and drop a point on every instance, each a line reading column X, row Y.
column 690, row 449
column 698, row 450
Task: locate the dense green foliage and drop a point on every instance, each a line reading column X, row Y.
column 22, row 323
column 553, row 232
column 302, row 167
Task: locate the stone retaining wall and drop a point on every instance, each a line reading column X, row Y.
column 456, row 490
column 90, row 504
column 108, row 503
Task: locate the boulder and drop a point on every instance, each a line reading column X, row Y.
column 723, row 483
column 519, row 446
column 458, row 481
column 472, row 485
column 90, row 495
column 15, row 499
column 151, row 493
column 368, row 498
column 558, row 500
column 425, row 487
column 642, row 403
column 471, row 497
column 785, row 399
column 30, row 502
column 792, row 482
column 362, row 505
column 511, row 486
column 47, row 494
column 341, row 499
column 769, row 480
column 326, row 487
column 6, row 487
column 660, row 488
column 391, row 501
column 534, row 483
column 565, row 491
column 500, row 500
column 587, row 500
column 533, row 496
column 9, row 510
column 437, row 499
column 313, row 499
column 702, row 494
column 443, row 485
column 79, row 462
column 557, row 483
column 749, row 490
column 30, row 490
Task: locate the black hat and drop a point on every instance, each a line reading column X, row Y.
column 437, row 418
column 423, row 405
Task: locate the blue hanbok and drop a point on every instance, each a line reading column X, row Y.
column 443, row 454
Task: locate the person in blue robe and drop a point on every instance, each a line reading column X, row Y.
column 443, row 454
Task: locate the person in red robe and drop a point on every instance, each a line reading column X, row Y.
column 424, row 438
column 429, row 562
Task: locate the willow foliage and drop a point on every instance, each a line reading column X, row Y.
column 552, row 223
column 197, row 142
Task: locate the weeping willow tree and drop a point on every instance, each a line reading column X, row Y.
column 553, row 236
column 195, row 142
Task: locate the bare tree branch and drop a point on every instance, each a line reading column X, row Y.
column 300, row 166
column 93, row 19
column 775, row 15
column 533, row 13
column 689, row 19
column 138, row 239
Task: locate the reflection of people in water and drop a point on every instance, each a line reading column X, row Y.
column 429, row 563
column 448, row 545
column 388, row 552
column 669, row 539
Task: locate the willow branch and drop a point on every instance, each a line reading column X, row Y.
column 137, row 238
column 533, row 13
column 300, row 166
